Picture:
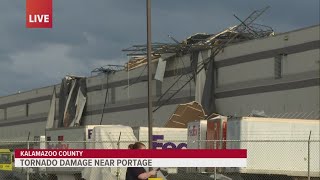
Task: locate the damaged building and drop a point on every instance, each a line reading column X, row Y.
column 254, row 74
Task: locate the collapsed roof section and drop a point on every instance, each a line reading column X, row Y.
column 247, row 30
column 196, row 42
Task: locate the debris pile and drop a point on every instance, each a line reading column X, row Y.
column 184, row 114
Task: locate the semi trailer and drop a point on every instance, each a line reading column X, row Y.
column 283, row 147
column 108, row 137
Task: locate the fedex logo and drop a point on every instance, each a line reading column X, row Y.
column 39, row 13
column 167, row 145
column 155, row 145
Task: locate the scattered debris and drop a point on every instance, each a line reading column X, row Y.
column 108, row 69
column 247, row 30
column 184, row 114
column 138, row 61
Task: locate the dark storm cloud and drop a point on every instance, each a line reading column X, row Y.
column 114, row 25
column 89, row 32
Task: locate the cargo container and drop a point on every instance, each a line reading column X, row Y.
column 274, row 146
column 197, row 131
column 217, row 130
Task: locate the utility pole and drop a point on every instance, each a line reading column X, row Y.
column 150, row 120
column 309, row 156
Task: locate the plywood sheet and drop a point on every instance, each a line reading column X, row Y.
column 184, row 114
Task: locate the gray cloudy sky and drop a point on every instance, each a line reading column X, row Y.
column 92, row 33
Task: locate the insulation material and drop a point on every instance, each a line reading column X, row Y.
column 80, row 103
column 63, row 95
column 69, row 110
column 200, row 80
column 68, row 97
column 208, row 99
column 184, row 114
column 51, row 114
column 161, row 69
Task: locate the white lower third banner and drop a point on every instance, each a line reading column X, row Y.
column 157, row 162
column 131, row 158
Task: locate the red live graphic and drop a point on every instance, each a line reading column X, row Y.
column 39, row 14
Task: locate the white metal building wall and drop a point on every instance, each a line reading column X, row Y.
column 246, row 76
column 246, row 84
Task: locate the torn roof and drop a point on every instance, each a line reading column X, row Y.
column 246, row 30
column 204, row 40
column 196, row 38
column 196, row 42
column 138, row 61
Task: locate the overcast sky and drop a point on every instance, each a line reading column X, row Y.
column 91, row 33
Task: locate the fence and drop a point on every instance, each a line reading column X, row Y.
column 266, row 160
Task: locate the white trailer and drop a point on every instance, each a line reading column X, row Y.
column 90, row 137
column 59, row 135
column 274, row 146
column 197, row 134
column 109, row 137
column 64, row 138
